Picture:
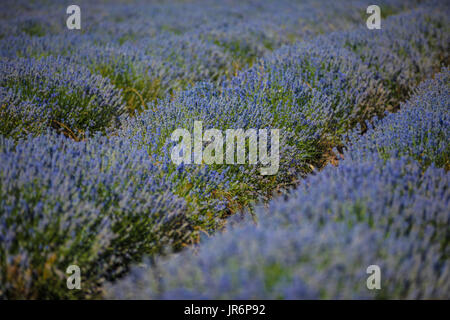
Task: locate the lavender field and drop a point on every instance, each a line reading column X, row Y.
column 87, row 170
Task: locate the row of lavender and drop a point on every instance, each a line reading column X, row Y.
column 108, row 200
column 313, row 91
column 146, row 51
column 386, row 204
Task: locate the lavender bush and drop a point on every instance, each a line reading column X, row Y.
column 369, row 210
column 50, row 92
